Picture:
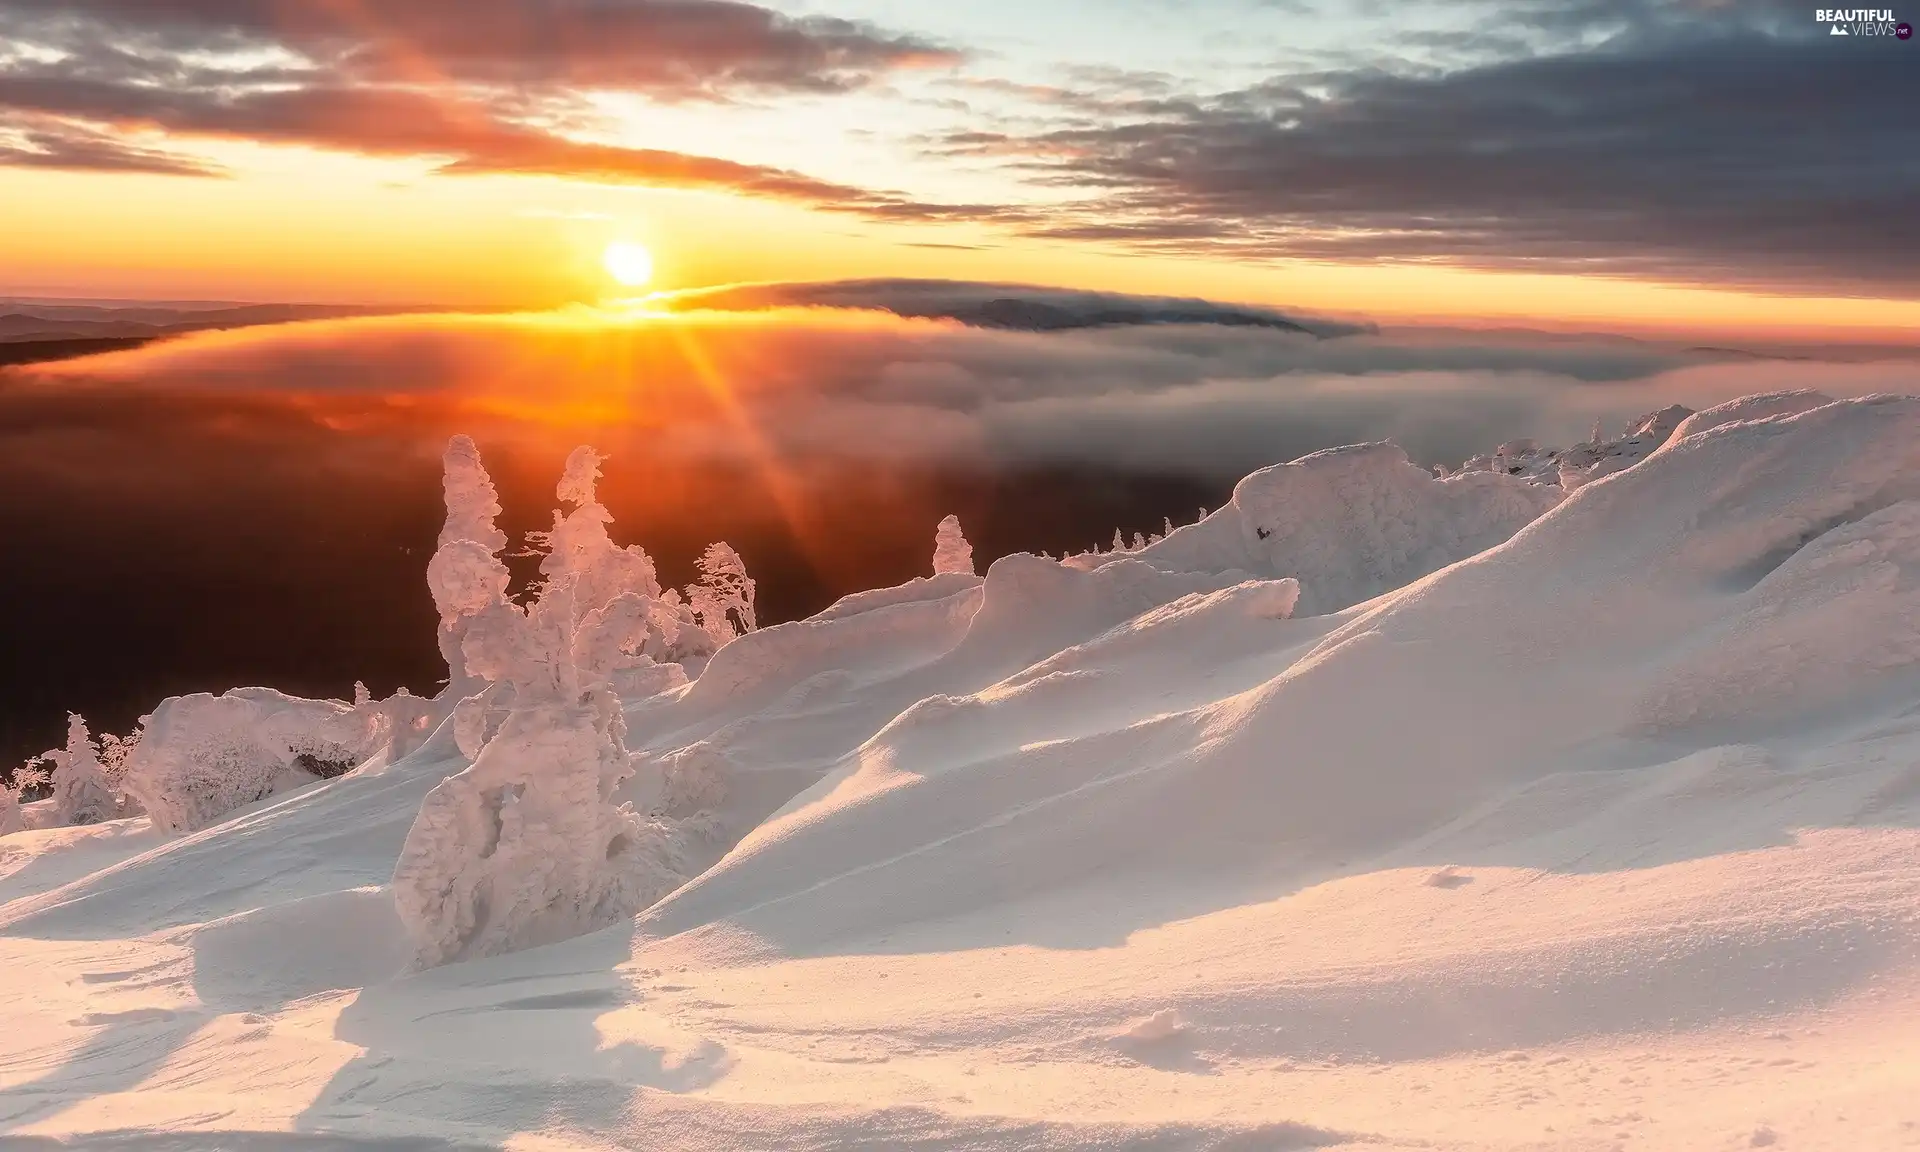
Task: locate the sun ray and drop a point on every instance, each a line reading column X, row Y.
column 779, row 480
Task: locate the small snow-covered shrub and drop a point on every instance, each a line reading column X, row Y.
column 410, row 719
column 951, row 552
column 202, row 756
column 11, row 820
column 81, row 791
column 723, row 598
column 115, row 754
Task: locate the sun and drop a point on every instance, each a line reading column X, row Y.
column 628, row 263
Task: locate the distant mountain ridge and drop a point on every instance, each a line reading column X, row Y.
column 24, row 320
column 1016, row 307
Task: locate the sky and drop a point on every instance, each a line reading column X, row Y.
column 1626, row 164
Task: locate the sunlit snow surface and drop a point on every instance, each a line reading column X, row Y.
column 1600, row 837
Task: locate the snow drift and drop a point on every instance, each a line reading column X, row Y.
column 1568, row 806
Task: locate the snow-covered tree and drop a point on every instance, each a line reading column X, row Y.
column 30, row 777
column 11, row 820
column 951, row 551
column 579, row 547
column 409, row 721
column 81, row 793
column 723, row 597
column 115, row 751
column 527, row 845
column 471, row 498
column 466, row 574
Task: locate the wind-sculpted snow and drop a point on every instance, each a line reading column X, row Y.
column 1297, row 768
column 1763, row 406
column 1351, row 523
column 754, row 668
column 918, row 589
column 1279, row 833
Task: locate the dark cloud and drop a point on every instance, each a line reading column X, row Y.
column 1691, row 142
column 47, row 143
column 493, row 86
column 678, row 49
column 473, row 135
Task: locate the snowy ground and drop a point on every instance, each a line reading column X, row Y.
column 1607, row 836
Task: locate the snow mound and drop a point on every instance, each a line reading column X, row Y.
column 1836, row 623
column 1352, row 523
column 764, row 664
column 271, row 956
column 1032, row 606
column 202, row 756
column 1162, row 1025
column 1763, row 406
column 1289, row 769
column 919, row 589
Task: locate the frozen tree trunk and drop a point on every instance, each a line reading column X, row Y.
column 951, row 552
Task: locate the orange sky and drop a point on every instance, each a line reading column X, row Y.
column 312, row 227
column 295, row 224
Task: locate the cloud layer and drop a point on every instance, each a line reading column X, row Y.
column 791, row 387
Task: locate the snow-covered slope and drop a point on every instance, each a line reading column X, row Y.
column 1376, row 810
